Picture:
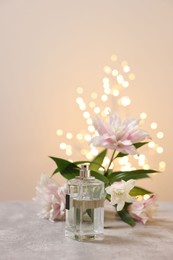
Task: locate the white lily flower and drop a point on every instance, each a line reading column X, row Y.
column 119, row 192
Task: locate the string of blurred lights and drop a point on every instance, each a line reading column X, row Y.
column 115, row 81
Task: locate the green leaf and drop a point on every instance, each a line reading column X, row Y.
column 67, row 169
column 127, row 175
column 97, row 162
column 137, row 145
column 121, row 155
column 139, row 191
column 100, row 177
column 124, row 215
column 90, row 213
column 61, row 163
column 90, row 163
column 81, row 162
column 108, row 197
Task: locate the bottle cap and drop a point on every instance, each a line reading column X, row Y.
column 85, row 172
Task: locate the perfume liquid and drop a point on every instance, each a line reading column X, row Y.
column 85, row 207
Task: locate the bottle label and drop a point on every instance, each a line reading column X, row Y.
column 88, row 204
column 67, row 201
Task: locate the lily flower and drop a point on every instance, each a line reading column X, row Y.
column 143, row 210
column 118, row 135
column 51, row 197
column 119, row 192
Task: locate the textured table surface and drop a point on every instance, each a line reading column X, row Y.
column 24, row 236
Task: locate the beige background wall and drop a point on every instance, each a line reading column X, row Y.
column 48, row 49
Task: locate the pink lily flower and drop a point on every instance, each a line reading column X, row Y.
column 51, row 197
column 118, row 135
column 143, row 210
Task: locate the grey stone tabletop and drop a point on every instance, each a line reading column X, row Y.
column 24, row 236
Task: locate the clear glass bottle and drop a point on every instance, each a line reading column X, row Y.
column 85, row 207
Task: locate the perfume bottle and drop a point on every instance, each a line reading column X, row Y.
column 85, row 207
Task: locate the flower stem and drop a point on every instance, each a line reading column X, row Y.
column 111, row 160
